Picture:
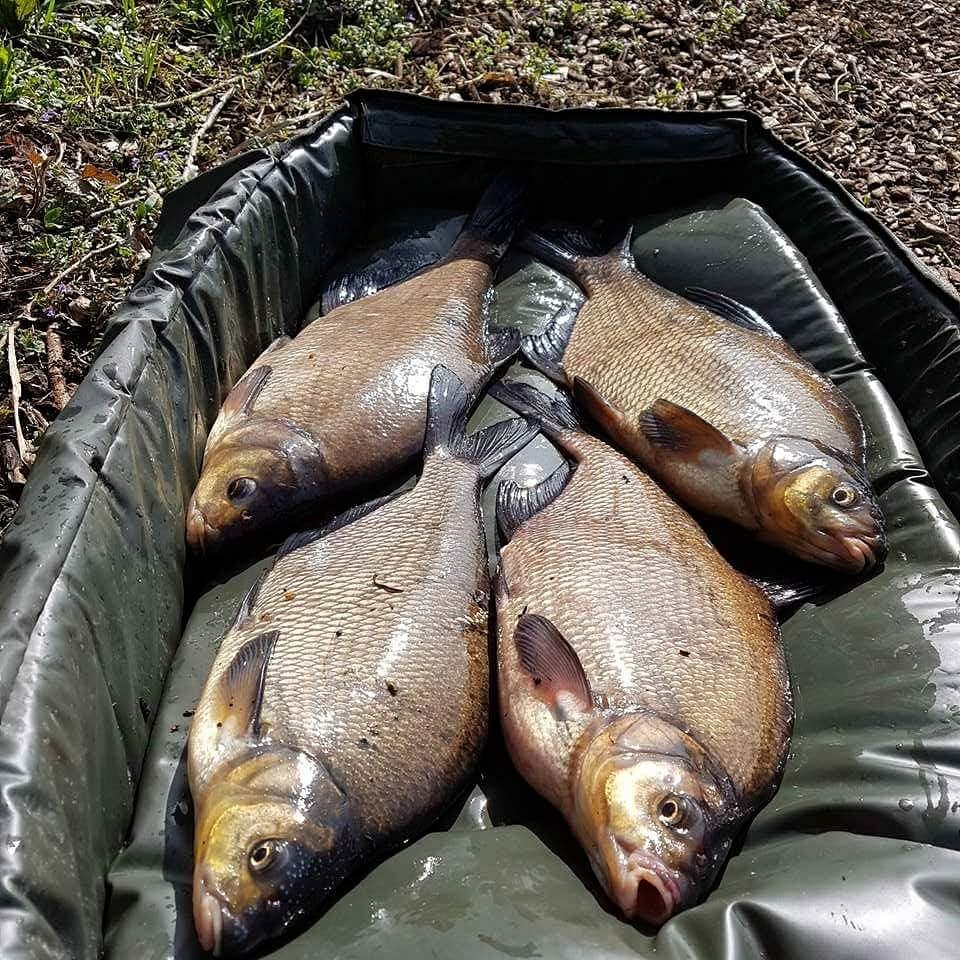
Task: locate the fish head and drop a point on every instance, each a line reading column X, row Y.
column 651, row 814
column 268, row 845
column 817, row 503
column 254, row 480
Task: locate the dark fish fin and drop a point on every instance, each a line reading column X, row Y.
column 516, row 504
column 448, row 408
column 490, row 228
column 540, row 349
column 241, row 685
column 552, row 665
column 503, row 345
column 493, row 446
column 249, row 599
column 242, row 397
column 554, row 416
column 787, row 594
column 373, row 278
column 297, row 540
column 671, row 428
column 568, row 248
column 611, row 419
column 730, row 309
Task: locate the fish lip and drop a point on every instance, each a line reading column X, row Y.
column 208, row 919
column 640, row 869
column 200, row 534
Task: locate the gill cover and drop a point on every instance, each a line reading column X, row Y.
column 274, row 831
column 817, row 502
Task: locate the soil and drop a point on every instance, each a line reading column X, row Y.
column 106, row 110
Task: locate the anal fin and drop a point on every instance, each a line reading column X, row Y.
column 553, row 666
column 610, row 418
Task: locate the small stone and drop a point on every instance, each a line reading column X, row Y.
column 874, row 180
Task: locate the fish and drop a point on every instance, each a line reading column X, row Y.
column 642, row 684
column 348, row 702
column 711, row 401
column 341, row 407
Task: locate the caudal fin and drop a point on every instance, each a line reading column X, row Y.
column 448, row 409
column 555, row 417
column 491, row 226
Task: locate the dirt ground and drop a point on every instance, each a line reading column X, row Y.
column 104, row 106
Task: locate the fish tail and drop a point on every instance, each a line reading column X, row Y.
column 448, row 409
column 575, row 250
column 555, row 416
column 491, row 226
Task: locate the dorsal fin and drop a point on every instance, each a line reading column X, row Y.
column 553, row 666
column 249, row 599
column 730, row 309
column 240, row 690
column 242, row 397
column 297, row 540
column 516, row 504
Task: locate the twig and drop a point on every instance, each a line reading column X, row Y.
column 58, row 384
column 79, row 263
column 196, row 95
column 283, row 39
column 190, row 169
column 97, row 214
column 23, row 448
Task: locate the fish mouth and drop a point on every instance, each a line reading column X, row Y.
column 845, row 550
column 200, row 534
column 208, row 918
column 645, row 891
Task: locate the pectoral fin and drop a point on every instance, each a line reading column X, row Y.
column 240, row 690
column 673, row 429
column 553, row 666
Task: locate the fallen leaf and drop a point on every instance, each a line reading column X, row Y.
column 92, row 172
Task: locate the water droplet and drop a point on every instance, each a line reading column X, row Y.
column 906, row 805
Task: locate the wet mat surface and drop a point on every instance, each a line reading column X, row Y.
column 836, row 865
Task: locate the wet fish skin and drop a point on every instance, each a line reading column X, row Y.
column 718, row 407
column 347, row 704
column 342, row 406
column 642, row 685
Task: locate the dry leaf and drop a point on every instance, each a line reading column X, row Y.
column 91, row 171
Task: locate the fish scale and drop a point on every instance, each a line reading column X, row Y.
column 585, row 561
column 747, row 384
column 341, row 408
column 347, row 705
column 343, row 638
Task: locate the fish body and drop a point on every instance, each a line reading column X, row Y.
column 343, row 405
column 348, row 702
column 642, row 684
column 707, row 397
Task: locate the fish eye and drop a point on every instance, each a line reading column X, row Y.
column 844, row 496
column 240, row 488
column 673, row 811
column 262, row 854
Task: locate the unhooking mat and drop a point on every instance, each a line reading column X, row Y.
column 856, row 856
